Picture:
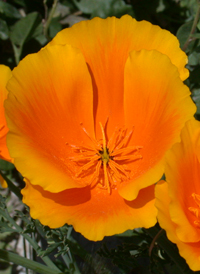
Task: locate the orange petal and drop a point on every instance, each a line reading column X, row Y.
column 50, row 100
column 93, row 213
column 189, row 251
column 183, row 175
column 162, row 204
column 105, row 44
column 5, row 75
column 157, row 104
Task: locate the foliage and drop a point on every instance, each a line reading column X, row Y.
column 25, row 27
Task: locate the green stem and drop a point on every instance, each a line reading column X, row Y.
column 65, row 258
column 25, row 252
column 45, row 10
column 76, row 269
column 155, row 240
column 11, row 186
column 32, row 242
column 27, row 263
column 194, row 25
column 48, row 20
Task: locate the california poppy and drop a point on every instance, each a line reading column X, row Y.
column 91, row 117
column 5, row 74
column 178, row 199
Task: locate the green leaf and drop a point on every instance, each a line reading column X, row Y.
column 194, row 58
column 54, row 27
column 20, row 2
column 4, row 31
column 11, row 186
column 4, row 165
column 103, row 8
column 196, row 35
column 49, row 249
column 2, row 202
column 23, row 31
column 188, row 3
column 24, row 28
column 184, row 32
column 9, row 11
column 27, row 263
column 38, row 35
column 61, row 10
column 4, row 227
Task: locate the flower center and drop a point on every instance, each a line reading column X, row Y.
column 196, row 210
column 104, row 155
column 106, row 163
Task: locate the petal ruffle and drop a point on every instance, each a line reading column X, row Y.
column 94, row 213
column 189, row 251
column 5, row 75
column 49, row 103
column 105, row 44
column 157, row 104
column 183, row 175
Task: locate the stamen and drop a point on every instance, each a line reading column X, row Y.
column 97, row 145
column 197, row 223
column 95, row 177
column 120, row 138
column 113, row 166
column 128, row 157
column 80, row 148
column 110, row 158
column 112, row 140
column 126, row 150
column 196, row 210
column 126, row 139
column 88, row 165
column 196, row 197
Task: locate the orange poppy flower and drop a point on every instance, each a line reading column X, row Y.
column 5, row 75
column 178, row 199
column 92, row 120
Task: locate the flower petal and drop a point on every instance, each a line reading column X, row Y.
column 49, row 103
column 93, row 213
column 5, row 75
column 183, row 175
column 105, row 44
column 157, row 104
column 162, row 204
column 189, row 251
column 3, row 183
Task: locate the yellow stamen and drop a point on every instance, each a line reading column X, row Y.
column 196, row 210
column 107, row 160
